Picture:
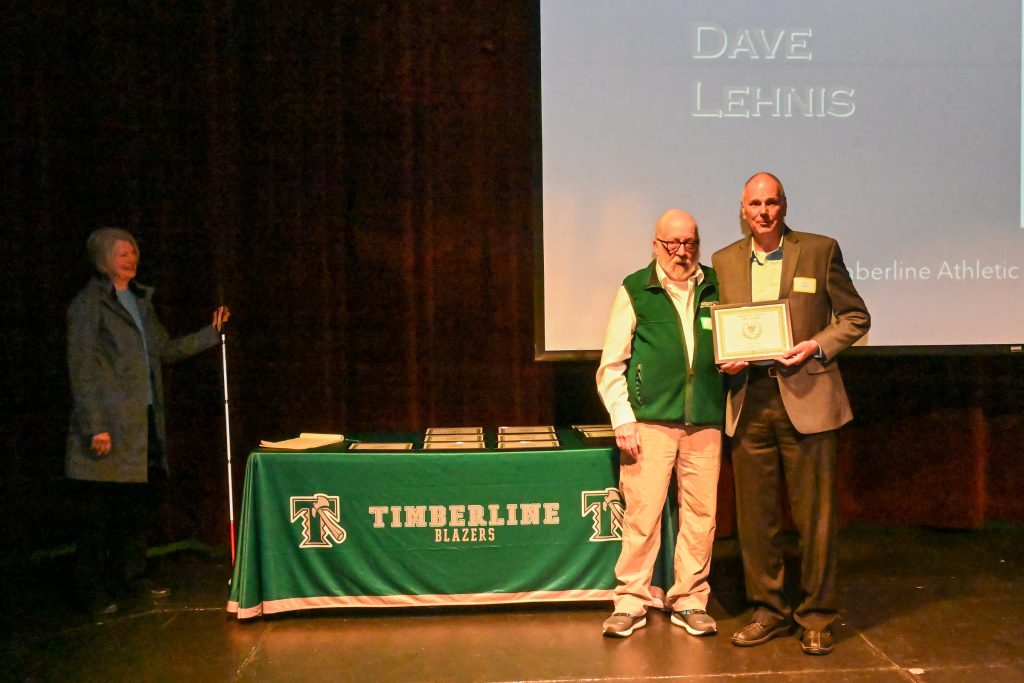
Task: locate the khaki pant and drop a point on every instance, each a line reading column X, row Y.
column 694, row 454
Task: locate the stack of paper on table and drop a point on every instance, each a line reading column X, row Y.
column 305, row 440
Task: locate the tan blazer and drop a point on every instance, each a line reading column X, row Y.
column 833, row 314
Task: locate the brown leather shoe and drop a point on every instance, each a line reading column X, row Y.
column 756, row 633
column 816, row 642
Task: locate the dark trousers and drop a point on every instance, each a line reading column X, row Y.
column 768, row 452
column 112, row 530
column 113, row 523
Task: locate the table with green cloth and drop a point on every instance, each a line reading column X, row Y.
column 334, row 527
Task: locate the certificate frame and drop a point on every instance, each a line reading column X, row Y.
column 380, row 446
column 761, row 330
column 453, row 438
column 532, row 429
column 448, row 431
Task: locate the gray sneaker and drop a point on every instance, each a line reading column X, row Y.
column 697, row 622
column 622, row 625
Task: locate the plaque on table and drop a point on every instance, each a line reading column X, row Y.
column 761, row 330
column 453, row 445
column 439, row 438
column 536, row 429
column 368, row 446
column 521, row 443
column 528, row 436
column 595, row 431
column 441, row 431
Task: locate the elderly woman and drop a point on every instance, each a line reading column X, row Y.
column 115, row 447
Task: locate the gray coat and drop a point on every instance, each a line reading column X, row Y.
column 109, row 387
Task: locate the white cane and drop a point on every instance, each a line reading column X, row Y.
column 227, row 438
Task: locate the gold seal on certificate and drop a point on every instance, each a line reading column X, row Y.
column 756, row 331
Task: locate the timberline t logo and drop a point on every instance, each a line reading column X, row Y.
column 321, row 520
column 605, row 508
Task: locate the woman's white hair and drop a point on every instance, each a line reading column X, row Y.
column 101, row 245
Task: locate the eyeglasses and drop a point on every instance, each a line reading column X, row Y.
column 673, row 246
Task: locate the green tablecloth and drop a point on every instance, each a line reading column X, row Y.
column 421, row 528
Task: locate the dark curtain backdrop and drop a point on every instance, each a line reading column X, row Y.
column 355, row 179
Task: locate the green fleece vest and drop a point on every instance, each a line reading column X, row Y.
column 662, row 384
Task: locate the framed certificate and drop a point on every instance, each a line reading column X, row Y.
column 441, row 431
column 538, row 429
column 369, row 446
column 527, row 436
column 453, row 445
column 452, row 438
column 756, row 331
column 527, row 444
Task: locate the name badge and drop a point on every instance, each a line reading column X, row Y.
column 705, row 322
column 807, row 285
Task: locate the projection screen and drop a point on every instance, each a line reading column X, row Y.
column 895, row 126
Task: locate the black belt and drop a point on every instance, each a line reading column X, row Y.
column 761, row 371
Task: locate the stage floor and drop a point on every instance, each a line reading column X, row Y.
column 919, row 604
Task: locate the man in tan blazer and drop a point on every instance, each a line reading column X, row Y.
column 782, row 416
